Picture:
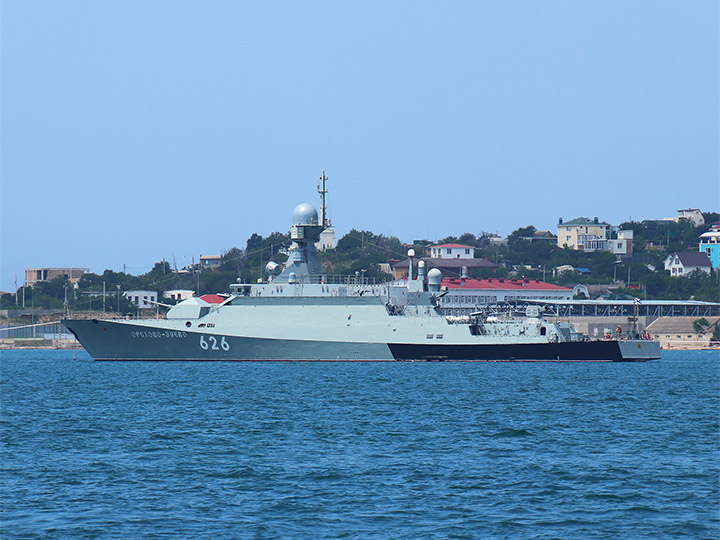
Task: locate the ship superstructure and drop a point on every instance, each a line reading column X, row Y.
column 300, row 313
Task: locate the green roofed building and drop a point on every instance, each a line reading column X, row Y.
column 583, row 234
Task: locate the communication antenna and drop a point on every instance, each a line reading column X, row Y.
column 322, row 190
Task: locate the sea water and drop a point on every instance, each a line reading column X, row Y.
column 359, row 450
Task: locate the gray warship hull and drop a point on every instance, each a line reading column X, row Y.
column 301, row 314
column 136, row 341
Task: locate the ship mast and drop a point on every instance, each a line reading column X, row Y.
column 322, row 190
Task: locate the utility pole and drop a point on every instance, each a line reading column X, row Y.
column 118, row 298
column 103, row 297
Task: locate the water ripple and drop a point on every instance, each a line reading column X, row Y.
column 411, row 450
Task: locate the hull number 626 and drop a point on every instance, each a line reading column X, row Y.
column 212, row 343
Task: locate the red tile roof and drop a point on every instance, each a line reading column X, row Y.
column 213, row 298
column 452, row 246
column 503, row 283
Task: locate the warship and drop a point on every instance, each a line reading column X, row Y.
column 300, row 313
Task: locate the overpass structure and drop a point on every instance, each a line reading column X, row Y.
column 628, row 308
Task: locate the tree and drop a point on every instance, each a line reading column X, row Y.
column 700, row 326
column 231, row 260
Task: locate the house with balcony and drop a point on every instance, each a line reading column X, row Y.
column 583, row 234
column 710, row 244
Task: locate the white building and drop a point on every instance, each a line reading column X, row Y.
column 466, row 295
column 693, row 215
column 140, row 298
column 681, row 264
column 452, row 251
column 623, row 244
column 327, row 240
column 178, row 294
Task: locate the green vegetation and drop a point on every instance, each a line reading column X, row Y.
column 364, row 251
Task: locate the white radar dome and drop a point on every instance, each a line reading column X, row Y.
column 434, row 278
column 305, row 214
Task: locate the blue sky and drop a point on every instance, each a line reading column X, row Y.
column 136, row 131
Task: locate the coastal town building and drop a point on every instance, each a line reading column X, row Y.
column 681, row 264
column 465, row 296
column 623, row 244
column 569, row 268
column 178, row 294
column 142, row 299
column 710, row 244
column 680, row 333
column 449, row 267
column 34, row 275
column 452, row 251
column 327, row 239
column 582, row 234
column 210, row 261
column 541, row 236
column 693, row 215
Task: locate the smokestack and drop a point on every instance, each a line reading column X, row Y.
column 411, row 254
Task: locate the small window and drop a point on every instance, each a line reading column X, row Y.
column 449, row 251
column 467, row 251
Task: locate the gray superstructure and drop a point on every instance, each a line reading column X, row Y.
column 299, row 313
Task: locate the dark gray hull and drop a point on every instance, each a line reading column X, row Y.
column 110, row 340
